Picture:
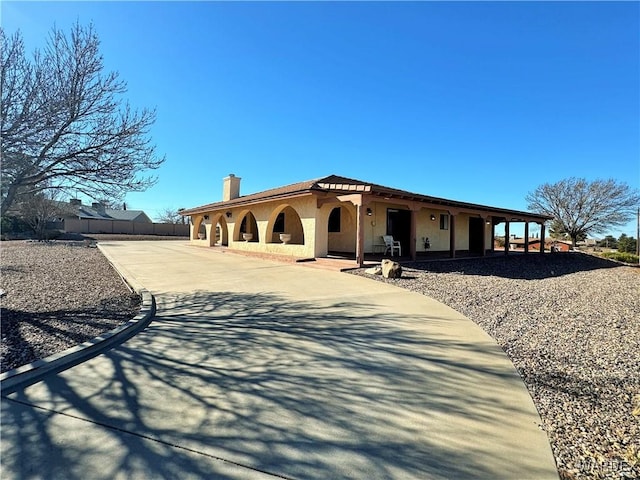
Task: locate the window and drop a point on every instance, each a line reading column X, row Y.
column 278, row 226
column 444, row 221
column 334, row 220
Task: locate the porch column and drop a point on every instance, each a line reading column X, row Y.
column 542, row 237
column 493, row 236
column 359, row 235
column 507, row 235
column 526, row 237
column 484, row 236
column 412, row 235
column 452, row 235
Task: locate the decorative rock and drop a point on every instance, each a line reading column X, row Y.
column 374, row 270
column 391, row 269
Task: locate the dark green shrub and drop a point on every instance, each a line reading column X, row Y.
column 621, row 257
column 627, row 244
column 52, row 234
column 12, row 224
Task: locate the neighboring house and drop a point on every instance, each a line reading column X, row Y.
column 518, row 244
column 347, row 216
column 97, row 211
column 79, row 218
column 558, row 245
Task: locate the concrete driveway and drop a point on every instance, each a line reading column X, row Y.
column 257, row 369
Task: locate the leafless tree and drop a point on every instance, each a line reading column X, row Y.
column 64, row 125
column 171, row 215
column 112, row 203
column 37, row 209
column 580, row 207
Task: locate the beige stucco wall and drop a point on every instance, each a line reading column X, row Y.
column 376, row 226
column 462, row 231
column 345, row 239
column 308, row 225
column 265, row 214
column 439, row 239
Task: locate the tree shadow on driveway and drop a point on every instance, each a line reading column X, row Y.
column 275, row 388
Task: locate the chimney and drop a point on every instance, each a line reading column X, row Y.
column 124, row 206
column 230, row 188
column 76, row 202
column 97, row 206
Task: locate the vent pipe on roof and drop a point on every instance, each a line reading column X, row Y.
column 230, row 187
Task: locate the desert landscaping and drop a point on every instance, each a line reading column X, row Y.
column 568, row 322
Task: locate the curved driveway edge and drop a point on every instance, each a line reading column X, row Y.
column 33, row 372
column 255, row 369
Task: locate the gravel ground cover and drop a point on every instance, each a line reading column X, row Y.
column 57, row 295
column 570, row 323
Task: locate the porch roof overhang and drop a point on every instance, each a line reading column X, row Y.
column 335, row 185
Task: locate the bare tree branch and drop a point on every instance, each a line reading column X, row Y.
column 171, row 215
column 64, row 125
column 580, row 207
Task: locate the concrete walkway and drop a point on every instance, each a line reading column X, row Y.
column 257, row 369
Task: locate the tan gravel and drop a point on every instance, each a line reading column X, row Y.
column 570, row 323
column 57, row 295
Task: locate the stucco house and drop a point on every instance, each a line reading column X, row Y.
column 74, row 217
column 517, row 244
column 349, row 217
column 97, row 211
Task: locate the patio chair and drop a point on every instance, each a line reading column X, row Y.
column 391, row 245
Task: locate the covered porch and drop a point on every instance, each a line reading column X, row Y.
column 336, row 217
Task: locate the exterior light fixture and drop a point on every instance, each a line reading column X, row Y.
column 433, row 217
column 369, row 211
column 228, row 214
column 488, row 222
column 206, row 217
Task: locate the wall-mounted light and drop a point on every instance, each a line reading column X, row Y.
column 488, row 222
column 228, row 214
column 433, row 217
column 206, row 217
column 369, row 211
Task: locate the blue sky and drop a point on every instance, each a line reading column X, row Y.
column 474, row 101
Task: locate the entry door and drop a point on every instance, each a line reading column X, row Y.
column 476, row 231
column 399, row 226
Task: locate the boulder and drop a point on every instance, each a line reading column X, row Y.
column 374, row 270
column 391, row 269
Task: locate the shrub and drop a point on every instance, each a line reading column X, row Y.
column 13, row 224
column 621, row 257
column 52, row 234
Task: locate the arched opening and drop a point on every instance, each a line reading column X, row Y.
column 341, row 231
column 285, row 221
column 248, row 230
column 220, row 232
column 197, row 227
